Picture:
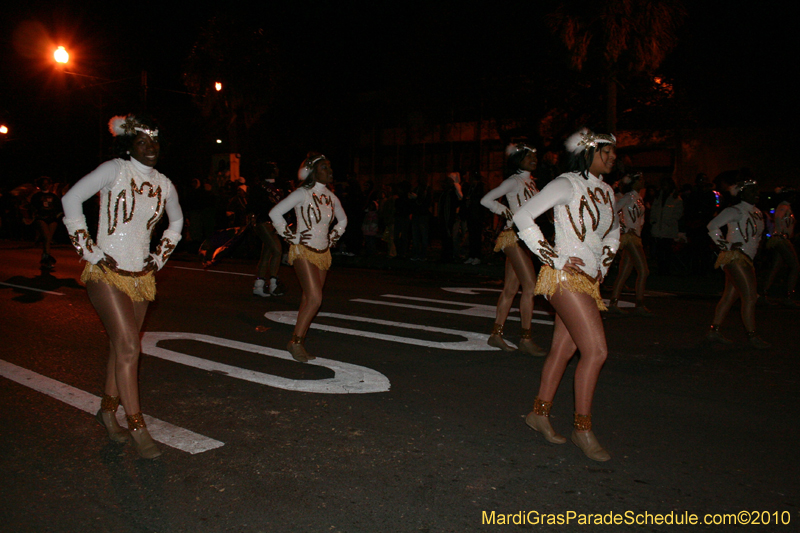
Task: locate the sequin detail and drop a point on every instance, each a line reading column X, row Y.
column 506, row 238
column 541, row 407
column 136, row 421
column 582, row 422
column 550, row 280
column 497, row 329
column 321, row 259
column 109, row 403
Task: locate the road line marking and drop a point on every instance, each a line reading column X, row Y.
column 483, row 311
column 450, row 302
column 31, row 289
column 164, row 432
column 215, row 271
column 472, row 342
column 348, row 379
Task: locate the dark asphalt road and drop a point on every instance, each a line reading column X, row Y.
column 691, row 427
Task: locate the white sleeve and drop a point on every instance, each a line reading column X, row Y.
column 489, row 200
column 557, row 192
column 72, row 203
column 610, row 244
column 728, row 214
column 171, row 235
column 341, row 223
column 283, row 207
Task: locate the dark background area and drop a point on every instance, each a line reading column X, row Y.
column 342, row 68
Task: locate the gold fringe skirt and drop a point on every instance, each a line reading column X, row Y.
column 506, row 238
column 550, row 279
column 139, row 288
column 733, row 256
column 629, row 239
column 322, row 260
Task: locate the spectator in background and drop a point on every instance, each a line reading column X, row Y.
column 402, row 219
column 46, row 210
column 420, row 219
column 449, row 204
column 665, row 217
column 473, row 213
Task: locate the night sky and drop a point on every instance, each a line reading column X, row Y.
column 335, row 57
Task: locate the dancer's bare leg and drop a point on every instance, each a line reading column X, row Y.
column 510, row 288
column 270, row 259
column 524, row 274
column 578, row 325
column 744, row 279
column 639, row 260
column 123, row 319
column 625, row 270
column 312, row 279
column 729, row 295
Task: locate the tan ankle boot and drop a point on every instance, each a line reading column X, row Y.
column 539, row 420
column 107, row 416
column 496, row 339
column 145, row 446
column 297, row 348
column 583, row 438
column 526, row 345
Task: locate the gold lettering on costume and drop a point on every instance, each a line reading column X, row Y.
column 75, row 239
column 751, row 224
column 547, row 253
column 609, row 255
column 313, row 212
column 165, row 249
column 529, row 191
column 122, row 198
column 597, row 196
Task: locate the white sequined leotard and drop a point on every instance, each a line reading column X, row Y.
column 133, row 197
column 745, row 226
column 517, row 188
column 585, row 220
column 631, row 213
column 315, row 209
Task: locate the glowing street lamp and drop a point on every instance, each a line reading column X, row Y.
column 3, row 129
column 218, row 86
column 61, row 55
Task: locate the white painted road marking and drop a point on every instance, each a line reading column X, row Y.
column 348, row 379
column 31, row 289
column 480, row 310
column 472, row 342
column 164, row 432
column 215, row 271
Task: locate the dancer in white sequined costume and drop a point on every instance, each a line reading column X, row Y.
column 630, row 208
column 518, row 188
column 587, row 237
column 310, row 242
column 783, row 251
column 739, row 245
column 119, row 266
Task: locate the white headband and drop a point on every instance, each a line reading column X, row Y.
column 514, row 148
column 307, row 167
column 129, row 125
column 585, row 139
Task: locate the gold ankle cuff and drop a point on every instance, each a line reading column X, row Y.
column 541, row 407
column 136, row 421
column 526, row 333
column 109, row 403
column 298, row 340
column 582, row 422
column 497, row 329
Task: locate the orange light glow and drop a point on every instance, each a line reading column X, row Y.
column 218, row 86
column 61, row 55
column 3, row 129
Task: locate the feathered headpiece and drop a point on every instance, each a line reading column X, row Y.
column 307, row 167
column 742, row 185
column 129, row 125
column 514, row 148
column 585, row 139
